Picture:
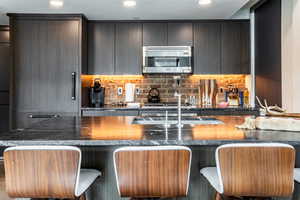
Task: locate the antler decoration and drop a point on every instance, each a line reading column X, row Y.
column 270, row 110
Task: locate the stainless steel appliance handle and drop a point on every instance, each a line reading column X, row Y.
column 43, row 116
column 74, row 86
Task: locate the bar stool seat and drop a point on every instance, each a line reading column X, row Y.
column 86, row 178
column 46, row 172
column 211, row 174
column 297, row 174
column 253, row 170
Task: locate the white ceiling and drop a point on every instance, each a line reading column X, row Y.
column 114, row 10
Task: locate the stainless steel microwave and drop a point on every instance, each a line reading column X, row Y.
column 167, row 59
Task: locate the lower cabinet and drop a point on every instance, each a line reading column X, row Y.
column 27, row 119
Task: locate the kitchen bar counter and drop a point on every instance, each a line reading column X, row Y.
column 118, row 131
column 98, row 137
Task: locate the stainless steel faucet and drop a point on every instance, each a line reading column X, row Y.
column 166, row 120
column 178, row 95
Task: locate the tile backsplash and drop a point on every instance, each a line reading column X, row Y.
column 165, row 84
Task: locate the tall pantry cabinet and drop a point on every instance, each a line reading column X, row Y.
column 49, row 54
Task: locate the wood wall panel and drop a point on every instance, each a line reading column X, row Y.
column 268, row 52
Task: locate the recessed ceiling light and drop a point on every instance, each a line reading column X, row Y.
column 56, row 3
column 129, row 3
column 204, row 2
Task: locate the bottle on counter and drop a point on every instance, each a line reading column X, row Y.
column 221, row 96
column 246, row 97
column 232, row 96
column 241, row 98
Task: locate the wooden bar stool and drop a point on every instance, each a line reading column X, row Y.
column 152, row 172
column 253, row 170
column 46, row 172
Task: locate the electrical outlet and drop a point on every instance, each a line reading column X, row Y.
column 120, row 91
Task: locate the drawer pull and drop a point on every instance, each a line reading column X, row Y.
column 43, row 116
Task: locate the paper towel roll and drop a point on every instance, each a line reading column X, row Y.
column 129, row 92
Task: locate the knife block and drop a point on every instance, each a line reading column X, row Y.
column 208, row 90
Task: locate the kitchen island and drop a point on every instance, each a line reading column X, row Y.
column 120, row 131
column 98, row 137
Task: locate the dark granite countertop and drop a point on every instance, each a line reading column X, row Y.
column 109, row 107
column 118, row 131
column 200, row 110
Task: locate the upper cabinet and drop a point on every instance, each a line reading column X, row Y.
column 222, row 47
column 155, row 34
column 219, row 47
column 235, row 47
column 128, row 49
column 115, row 48
column 207, row 48
column 101, row 48
column 167, row 34
column 180, row 34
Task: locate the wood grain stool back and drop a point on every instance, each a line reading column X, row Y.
column 147, row 172
column 42, row 171
column 260, row 170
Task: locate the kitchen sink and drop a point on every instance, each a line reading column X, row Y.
column 191, row 120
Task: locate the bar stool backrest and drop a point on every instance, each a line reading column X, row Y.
column 260, row 170
column 42, row 171
column 148, row 172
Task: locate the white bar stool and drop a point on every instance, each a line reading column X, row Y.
column 46, row 172
column 152, row 172
column 297, row 174
column 253, row 170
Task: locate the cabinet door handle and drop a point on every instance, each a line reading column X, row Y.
column 43, row 116
column 74, row 86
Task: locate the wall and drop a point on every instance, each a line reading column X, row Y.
column 291, row 55
column 164, row 83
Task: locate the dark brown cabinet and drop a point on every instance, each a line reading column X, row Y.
column 155, row 34
column 5, row 65
column 171, row 34
column 101, row 48
column 222, row 47
column 128, row 49
column 235, row 48
column 219, row 47
column 207, row 48
column 115, row 48
column 180, row 34
column 47, row 66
